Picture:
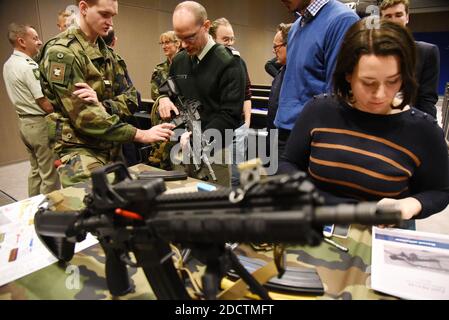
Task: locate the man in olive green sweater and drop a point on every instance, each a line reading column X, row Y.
column 207, row 72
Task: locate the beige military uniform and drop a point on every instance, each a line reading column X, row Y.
column 21, row 75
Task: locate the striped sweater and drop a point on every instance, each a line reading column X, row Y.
column 363, row 156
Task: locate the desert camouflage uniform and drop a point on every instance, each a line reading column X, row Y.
column 85, row 135
column 345, row 275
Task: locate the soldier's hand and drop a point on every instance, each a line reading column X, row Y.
column 85, row 92
column 161, row 132
column 165, row 107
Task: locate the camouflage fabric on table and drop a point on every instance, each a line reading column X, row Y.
column 345, row 275
column 83, row 279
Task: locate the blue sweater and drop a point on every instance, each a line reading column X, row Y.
column 311, row 57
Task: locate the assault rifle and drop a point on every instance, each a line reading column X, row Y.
column 189, row 117
column 134, row 216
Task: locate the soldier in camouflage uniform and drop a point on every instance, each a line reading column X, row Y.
column 160, row 74
column 86, row 83
column 160, row 151
column 170, row 45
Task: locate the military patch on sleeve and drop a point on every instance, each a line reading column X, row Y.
column 57, row 72
column 36, row 73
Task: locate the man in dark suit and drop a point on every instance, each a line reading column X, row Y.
column 427, row 58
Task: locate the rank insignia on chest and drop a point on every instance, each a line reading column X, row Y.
column 57, row 72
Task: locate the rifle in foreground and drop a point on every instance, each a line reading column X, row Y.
column 134, row 216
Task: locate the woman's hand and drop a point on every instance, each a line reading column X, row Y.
column 409, row 207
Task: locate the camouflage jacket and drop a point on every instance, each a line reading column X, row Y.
column 160, row 74
column 68, row 59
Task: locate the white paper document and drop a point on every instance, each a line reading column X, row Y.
column 410, row 264
column 21, row 251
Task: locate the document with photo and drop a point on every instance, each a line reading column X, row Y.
column 21, row 251
column 410, row 264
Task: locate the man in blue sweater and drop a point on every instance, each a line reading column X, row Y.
column 313, row 45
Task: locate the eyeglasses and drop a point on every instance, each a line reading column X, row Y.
column 277, row 46
column 165, row 43
column 190, row 39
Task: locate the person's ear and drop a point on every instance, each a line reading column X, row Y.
column 83, row 6
column 207, row 25
column 21, row 42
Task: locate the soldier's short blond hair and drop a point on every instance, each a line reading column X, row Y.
column 391, row 3
column 16, row 31
column 198, row 11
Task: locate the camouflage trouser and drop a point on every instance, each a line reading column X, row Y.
column 43, row 177
column 160, row 155
column 78, row 164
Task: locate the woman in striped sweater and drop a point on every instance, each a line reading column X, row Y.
column 362, row 142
